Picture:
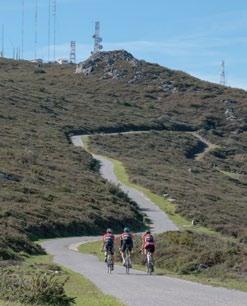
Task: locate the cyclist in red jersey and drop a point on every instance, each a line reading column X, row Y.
column 148, row 243
column 108, row 244
column 126, row 241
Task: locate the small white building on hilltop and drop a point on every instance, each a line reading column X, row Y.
column 62, row 61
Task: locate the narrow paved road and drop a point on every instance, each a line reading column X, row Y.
column 138, row 289
column 160, row 222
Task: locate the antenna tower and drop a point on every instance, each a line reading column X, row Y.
column 223, row 74
column 97, row 39
column 72, row 52
column 54, row 13
column 22, row 28
column 49, row 30
column 36, row 29
column 2, row 51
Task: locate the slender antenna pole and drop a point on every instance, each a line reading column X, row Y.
column 49, row 31
column 54, row 28
column 2, row 51
column 36, row 29
column 22, row 28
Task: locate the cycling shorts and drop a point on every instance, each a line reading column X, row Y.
column 126, row 245
column 150, row 248
column 109, row 248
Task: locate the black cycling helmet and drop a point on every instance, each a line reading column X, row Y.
column 109, row 230
column 148, row 231
column 126, row 229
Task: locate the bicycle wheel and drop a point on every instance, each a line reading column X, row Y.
column 127, row 262
column 109, row 264
column 149, row 263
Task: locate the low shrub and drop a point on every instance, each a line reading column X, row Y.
column 37, row 288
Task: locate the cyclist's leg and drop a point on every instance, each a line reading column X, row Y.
column 106, row 252
column 123, row 249
column 130, row 247
column 112, row 254
column 145, row 250
column 151, row 249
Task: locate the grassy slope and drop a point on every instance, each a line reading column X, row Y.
column 49, row 187
column 42, row 175
column 159, row 161
column 77, row 286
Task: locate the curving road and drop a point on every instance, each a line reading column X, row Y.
column 160, row 222
column 138, row 289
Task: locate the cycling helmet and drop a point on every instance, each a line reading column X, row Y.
column 109, row 230
column 148, row 231
column 126, row 229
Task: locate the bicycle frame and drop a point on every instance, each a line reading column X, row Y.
column 109, row 263
column 127, row 261
column 150, row 263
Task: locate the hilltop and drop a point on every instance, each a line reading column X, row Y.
column 48, row 187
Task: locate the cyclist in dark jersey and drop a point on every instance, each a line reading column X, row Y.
column 126, row 242
column 108, row 243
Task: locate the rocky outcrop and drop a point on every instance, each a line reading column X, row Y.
column 113, row 64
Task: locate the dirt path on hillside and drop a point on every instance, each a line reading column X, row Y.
column 209, row 146
column 198, row 157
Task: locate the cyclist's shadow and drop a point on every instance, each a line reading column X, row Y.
column 134, row 274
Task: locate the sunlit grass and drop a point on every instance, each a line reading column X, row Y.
column 86, row 293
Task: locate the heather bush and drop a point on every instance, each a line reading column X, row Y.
column 36, row 288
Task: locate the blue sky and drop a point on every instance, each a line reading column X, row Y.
column 189, row 35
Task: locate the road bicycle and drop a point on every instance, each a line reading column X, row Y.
column 109, row 262
column 127, row 261
column 149, row 263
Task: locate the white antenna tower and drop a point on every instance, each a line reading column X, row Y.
column 2, row 51
column 97, row 39
column 22, row 28
column 49, row 30
column 36, row 29
column 223, row 74
column 54, row 12
column 73, row 52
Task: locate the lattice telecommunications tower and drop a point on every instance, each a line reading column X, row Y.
column 97, row 39
column 72, row 52
column 223, row 74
